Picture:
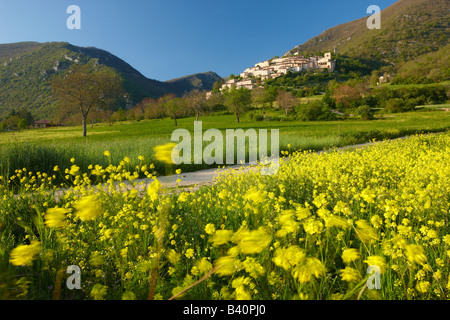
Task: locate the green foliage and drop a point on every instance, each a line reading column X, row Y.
column 365, row 112
column 314, row 111
column 408, row 97
column 237, row 100
column 429, row 68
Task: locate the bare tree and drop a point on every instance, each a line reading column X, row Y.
column 172, row 105
column 286, row 100
column 196, row 100
column 84, row 88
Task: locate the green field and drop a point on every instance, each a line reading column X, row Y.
column 42, row 149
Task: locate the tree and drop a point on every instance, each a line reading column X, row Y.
column 286, row 100
column 173, row 106
column 215, row 100
column 315, row 110
column 264, row 96
column 365, row 112
column 217, row 86
column 84, row 88
column 119, row 115
column 141, row 106
column 237, row 100
column 349, row 95
column 12, row 122
column 196, row 100
column 153, row 108
column 374, row 78
column 25, row 115
column 22, row 124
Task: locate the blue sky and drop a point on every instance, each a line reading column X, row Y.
column 166, row 39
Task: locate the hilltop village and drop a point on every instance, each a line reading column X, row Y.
column 274, row 68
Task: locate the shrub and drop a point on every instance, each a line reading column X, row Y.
column 314, row 111
column 365, row 112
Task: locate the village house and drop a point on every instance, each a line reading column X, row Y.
column 274, row 68
column 46, row 124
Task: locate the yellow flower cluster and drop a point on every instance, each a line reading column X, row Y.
column 311, row 231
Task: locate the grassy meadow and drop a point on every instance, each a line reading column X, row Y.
column 40, row 150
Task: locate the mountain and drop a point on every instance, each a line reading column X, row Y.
column 409, row 29
column 200, row 81
column 27, row 67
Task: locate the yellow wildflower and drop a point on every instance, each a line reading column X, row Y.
column 302, row 213
column 447, row 239
column 87, row 208
column 221, row 237
column 54, row 217
column 183, row 197
column 423, row 286
column 223, row 194
column 288, row 224
column 210, row 229
column 335, row 221
column 288, row 257
column 312, row 226
column 227, row 265
column 378, row 261
column 350, row 274
column 173, row 256
column 253, row 267
column 255, row 195
column 25, row 254
column 365, row 232
column 189, row 253
column 415, row 254
column 350, row 255
column 253, row 241
column 240, row 284
column 311, row 266
column 153, row 189
column 164, row 152
column 201, row 267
